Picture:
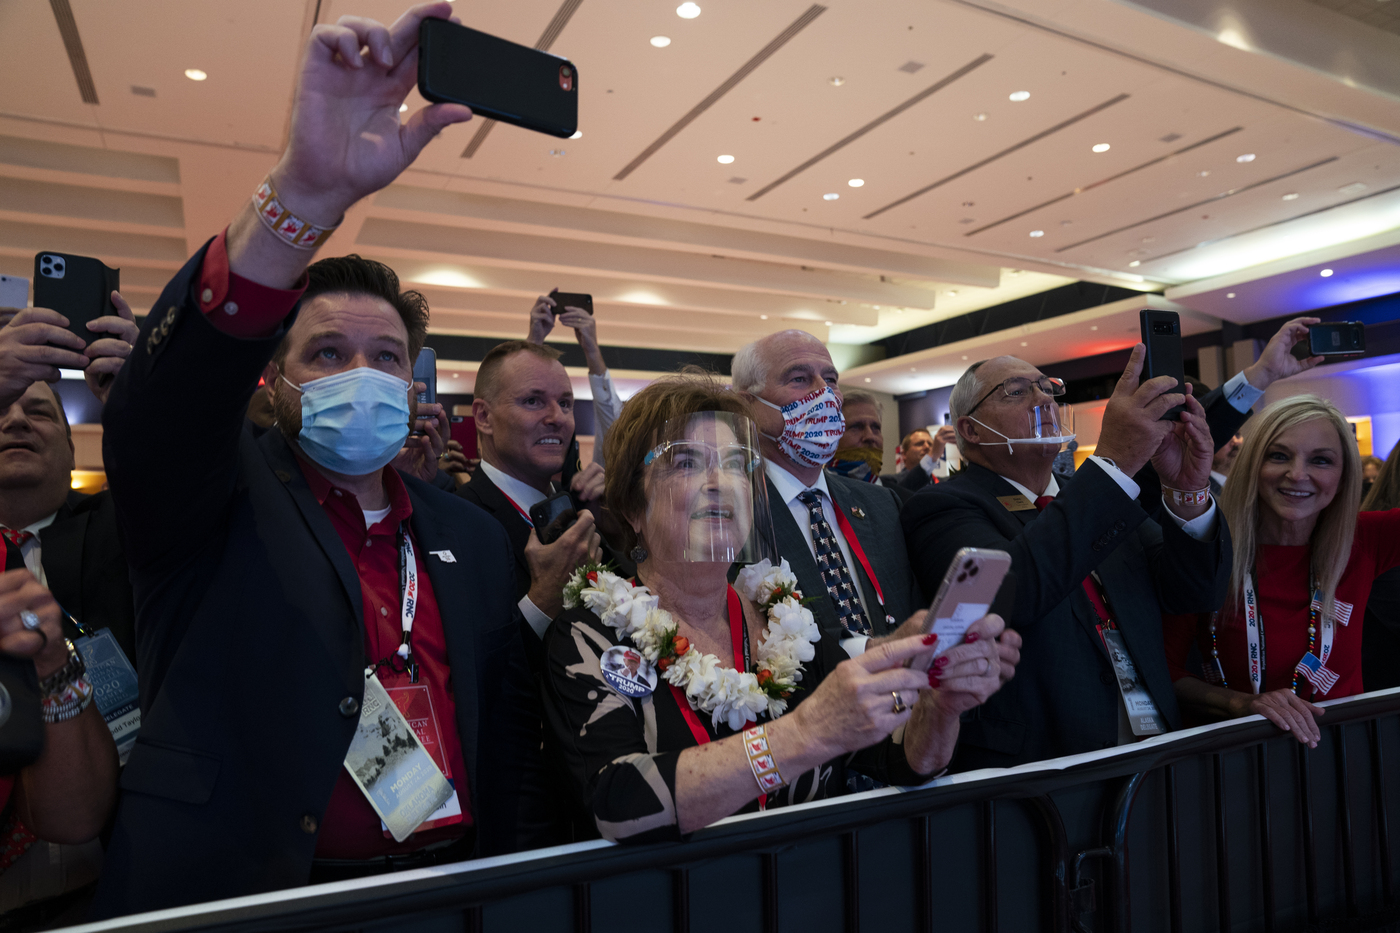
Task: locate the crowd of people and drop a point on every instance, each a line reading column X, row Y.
column 352, row 651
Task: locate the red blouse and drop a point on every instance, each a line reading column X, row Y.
column 1281, row 579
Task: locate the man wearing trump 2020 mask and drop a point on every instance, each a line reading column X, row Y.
column 1093, row 572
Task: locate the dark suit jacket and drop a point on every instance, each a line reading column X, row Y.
column 251, row 633
column 878, row 533
column 86, row 569
column 1224, row 421
column 1064, row 698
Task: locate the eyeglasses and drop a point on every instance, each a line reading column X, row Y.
column 1020, row 387
column 695, row 457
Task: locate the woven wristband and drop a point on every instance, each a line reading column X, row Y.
column 287, row 226
column 765, row 769
column 1183, row 497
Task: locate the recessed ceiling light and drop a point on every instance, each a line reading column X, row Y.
column 1229, row 294
column 763, row 317
column 688, row 10
column 1135, row 263
column 876, row 307
column 913, row 369
column 725, row 159
column 1021, row 95
column 1291, row 196
column 979, row 117
column 1325, row 273
column 1247, row 157
column 1093, row 327
column 660, row 41
column 578, row 134
column 828, row 323
column 831, row 196
column 1037, row 233
column 194, row 74
column 952, row 292
column 1101, row 147
column 867, row 378
column 403, row 108
column 1024, row 343
column 1204, row 174
column 836, row 82
column 964, row 356
column 856, row 182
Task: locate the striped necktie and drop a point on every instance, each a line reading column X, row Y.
column 835, row 574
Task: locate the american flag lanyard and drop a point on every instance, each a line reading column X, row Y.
column 1315, row 670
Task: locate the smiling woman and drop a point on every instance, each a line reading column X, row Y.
column 1304, row 562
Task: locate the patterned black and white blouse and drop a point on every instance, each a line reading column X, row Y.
column 621, row 753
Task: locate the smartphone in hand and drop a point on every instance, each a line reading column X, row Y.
column 566, row 300
column 1161, row 334
column 548, row 517
column 496, row 78
column 77, row 287
column 425, row 371
column 14, row 292
column 463, row 430
column 1340, row 340
column 968, row 590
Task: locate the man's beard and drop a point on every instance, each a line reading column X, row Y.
column 286, row 408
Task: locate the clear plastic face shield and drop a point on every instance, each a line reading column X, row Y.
column 707, row 500
column 1045, row 425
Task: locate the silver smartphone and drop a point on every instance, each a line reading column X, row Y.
column 14, row 291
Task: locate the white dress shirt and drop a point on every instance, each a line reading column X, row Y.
column 523, row 495
column 606, row 406
column 789, row 488
column 1202, row 528
column 1240, row 393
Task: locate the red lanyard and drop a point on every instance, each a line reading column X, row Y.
column 738, row 636
column 854, row 544
column 523, row 514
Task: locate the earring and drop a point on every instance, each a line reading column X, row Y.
column 638, row 554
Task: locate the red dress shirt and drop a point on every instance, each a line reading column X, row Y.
column 1281, row 582
column 350, row 829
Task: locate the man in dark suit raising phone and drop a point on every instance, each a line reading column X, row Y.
column 1093, row 572
column 297, row 598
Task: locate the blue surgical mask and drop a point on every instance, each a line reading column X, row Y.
column 353, row 422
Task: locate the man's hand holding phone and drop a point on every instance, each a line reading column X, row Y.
column 552, row 564
column 34, row 346
column 108, row 354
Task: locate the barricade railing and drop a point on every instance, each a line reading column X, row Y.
column 1233, row 827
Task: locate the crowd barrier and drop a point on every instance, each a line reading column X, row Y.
column 1233, row 827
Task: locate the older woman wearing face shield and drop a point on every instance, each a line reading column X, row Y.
column 677, row 699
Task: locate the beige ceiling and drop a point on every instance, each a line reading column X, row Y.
column 683, row 252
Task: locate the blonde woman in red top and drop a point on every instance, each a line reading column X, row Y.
column 1304, row 561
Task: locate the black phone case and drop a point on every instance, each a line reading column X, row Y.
column 1163, row 352
column 572, row 300
column 1339, row 340
column 82, row 292
column 544, row 513
column 496, row 78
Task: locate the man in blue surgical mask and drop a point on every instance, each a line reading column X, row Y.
column 1094, row 571
column 300, row 602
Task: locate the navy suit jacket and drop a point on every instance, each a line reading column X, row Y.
column 250, row 632
column 1064, row 698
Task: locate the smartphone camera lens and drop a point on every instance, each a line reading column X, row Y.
column 962, row 577
column 973, row 571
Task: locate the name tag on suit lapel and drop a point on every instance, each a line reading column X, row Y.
column 447, row 557
column 1016, row 503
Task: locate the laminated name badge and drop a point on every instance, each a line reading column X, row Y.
column 393, row 770
column 114, row 688
column 1143, row 717
column 416, row 704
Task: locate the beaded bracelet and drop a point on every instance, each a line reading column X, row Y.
column 290, row 228
column 1188, row 497
column 66, row 692
column 765, row 769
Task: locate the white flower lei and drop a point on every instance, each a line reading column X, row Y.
column 726, row 694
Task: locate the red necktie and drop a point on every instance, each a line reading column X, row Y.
column 14, row 540
column 1092, row 589
column 17, row 538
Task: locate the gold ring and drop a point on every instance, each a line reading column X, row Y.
column 899, row 706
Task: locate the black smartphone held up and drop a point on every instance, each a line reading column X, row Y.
column 77, row 287
column 1161, row 333
column 545, row 517
column 497, row 79
column 1340, row 340
column 425, row 371
column 565, row 300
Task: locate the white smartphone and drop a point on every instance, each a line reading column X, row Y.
column 14, row 291
column 968, row 589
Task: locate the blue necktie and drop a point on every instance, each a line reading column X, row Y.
column 835, row 574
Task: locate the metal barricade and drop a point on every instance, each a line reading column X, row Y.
column 1233, row 827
